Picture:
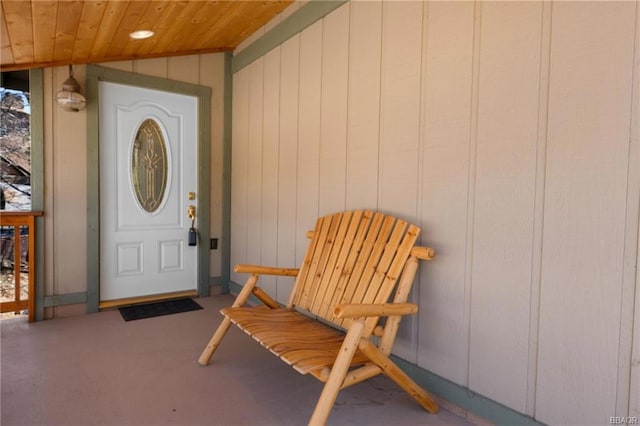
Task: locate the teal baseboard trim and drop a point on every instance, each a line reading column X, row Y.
column 65, row 299
column 463, row 397
column 234, row 289
column 298, row 21
column 215, row 281
column 218, row 285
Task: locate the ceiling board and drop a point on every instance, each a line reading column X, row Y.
column 89, row 21
column 17, row 15
column 44, row 15
column 40, row 33
column 106, row 31
column 66, row 30
column 178, row 25
column 6, row 55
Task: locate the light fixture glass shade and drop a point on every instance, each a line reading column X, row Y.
column 141, row 34
column 71, row 101
column 69, row 98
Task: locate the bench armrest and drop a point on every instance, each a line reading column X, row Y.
column 265, row 270
column 374, row 310
column 424, row 253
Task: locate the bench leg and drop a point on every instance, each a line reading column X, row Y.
column 397, row 375
column 213, row 344
column 337, row 375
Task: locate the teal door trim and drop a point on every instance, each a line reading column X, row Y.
column 226, row 173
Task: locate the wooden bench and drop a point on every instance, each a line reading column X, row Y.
column 354, row 263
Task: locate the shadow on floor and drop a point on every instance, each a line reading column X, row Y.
column 100, row 370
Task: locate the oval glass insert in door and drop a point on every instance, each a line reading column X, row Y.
column 149, row 168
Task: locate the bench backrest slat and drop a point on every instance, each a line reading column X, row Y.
column 353, row 257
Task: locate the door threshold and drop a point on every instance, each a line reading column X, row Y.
column 146, row 299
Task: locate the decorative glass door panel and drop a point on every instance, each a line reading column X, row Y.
column 149, row 165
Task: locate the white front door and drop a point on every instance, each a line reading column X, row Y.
column 148, row 168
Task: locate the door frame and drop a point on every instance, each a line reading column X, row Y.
column 94, row 75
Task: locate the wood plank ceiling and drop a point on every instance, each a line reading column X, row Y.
column 43, row 33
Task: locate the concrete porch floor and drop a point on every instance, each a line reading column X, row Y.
column 100, row 370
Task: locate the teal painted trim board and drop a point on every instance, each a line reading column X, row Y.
column 216, row 281
column 204, row 186
column 36, row 90
column 218, row 286
column 464, row 397
column 81, row 297
column 298, row 21
column 93, row 193
column 225, row 243
column 234, row 289
column 447, row 390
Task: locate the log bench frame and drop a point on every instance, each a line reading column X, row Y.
column 354, row 262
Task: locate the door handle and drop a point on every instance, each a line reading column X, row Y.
column 193, row 234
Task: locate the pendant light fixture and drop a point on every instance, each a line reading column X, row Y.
column 69, row 98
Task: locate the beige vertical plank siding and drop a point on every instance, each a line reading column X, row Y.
column 504, row 200
column 156, row 67
column 309, row 93
column 400, row 106
column 68, row 164
column 239, row 171
column 634, row 392
column 538, row 222
column 363, row 109
column 270, row 166
column 586, row 184
column 333, row 111
column 447, row 89
column 184, row 68
column 400, row 126
column 634, row 397
column 628, row 401
column 287, row 162
column 254, row 162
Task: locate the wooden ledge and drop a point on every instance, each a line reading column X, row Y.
column 374, row 310
column 265, row 270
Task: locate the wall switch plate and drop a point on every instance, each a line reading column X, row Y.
column 213, row 244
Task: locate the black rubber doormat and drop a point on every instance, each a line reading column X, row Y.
column 157, row 309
